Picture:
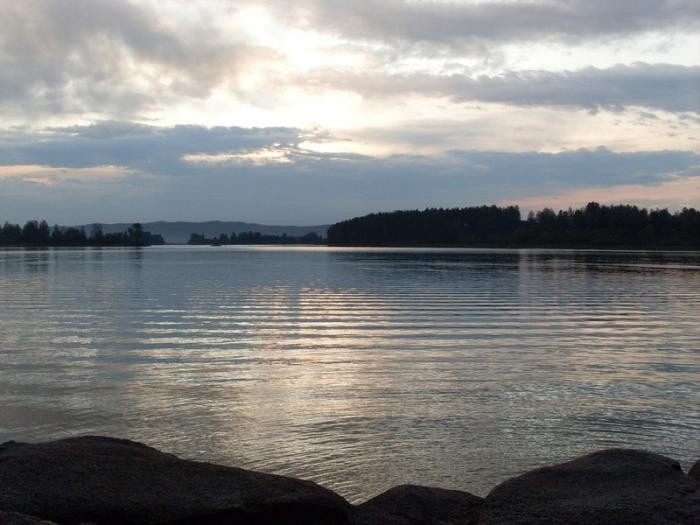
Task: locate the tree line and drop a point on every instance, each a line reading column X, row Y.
column 255, row 238
column 38, row 233
column 593, row 225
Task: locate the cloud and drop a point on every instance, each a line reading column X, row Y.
column 52, row 176
column 75, row 59
column 108, row 56
column 309, row 187
column 457, row 23
column 137, row 145
column 258, row 157
column 442, row 80
column 668, row 87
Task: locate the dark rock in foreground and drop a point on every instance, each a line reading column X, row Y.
column 15, row 518
column 694, row 471
column 106, row 481
column 609, row 487
column 112, row 481
column 412, row 505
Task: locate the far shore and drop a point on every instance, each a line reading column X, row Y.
column 578, row 247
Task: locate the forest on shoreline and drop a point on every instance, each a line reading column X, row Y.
column 36, row 233
column 254, row 238
column 594, row 225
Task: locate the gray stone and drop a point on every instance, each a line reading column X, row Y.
column 15, row 518
column 113, row 481
column 608, row 487
column 415, row 505
column 694, row 471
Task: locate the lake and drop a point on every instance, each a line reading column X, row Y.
column 357, row 368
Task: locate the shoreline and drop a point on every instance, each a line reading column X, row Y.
column 582, row 248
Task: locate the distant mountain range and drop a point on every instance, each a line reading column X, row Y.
column 179, row 232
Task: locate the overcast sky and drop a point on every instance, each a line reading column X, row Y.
column 312, row 111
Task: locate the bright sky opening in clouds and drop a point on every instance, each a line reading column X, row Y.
column 312, row 111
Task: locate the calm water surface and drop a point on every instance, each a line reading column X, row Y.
column 359, row 369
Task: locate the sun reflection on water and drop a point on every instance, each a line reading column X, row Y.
column 360, row 369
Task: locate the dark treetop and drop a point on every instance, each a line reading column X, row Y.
column 256, row 238
column 594, row 225
column 35, row 233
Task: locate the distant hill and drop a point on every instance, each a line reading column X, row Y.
column 179, row 232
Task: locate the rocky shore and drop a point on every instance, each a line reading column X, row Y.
column 101, row 480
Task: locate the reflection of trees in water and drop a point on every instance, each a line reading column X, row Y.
column 601, row 261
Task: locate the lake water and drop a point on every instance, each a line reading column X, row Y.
column 357, row 368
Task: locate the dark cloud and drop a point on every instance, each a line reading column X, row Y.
column 148, row 148
column 310, row 188
column 661, row 86
column 458, row 23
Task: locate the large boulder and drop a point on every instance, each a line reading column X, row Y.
column 414, row 505
column 694, row 471
column 15, row 518
column 114, row 481
column 608, row 487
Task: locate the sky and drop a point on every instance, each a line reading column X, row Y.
column 313, row 111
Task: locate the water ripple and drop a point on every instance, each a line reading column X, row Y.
column 360, row 369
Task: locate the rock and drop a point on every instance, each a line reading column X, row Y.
column 114, row 481
column 15, row 518
column 608, row 487
column 414, row 505
column 694, row 471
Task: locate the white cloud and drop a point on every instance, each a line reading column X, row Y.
column 258, row 157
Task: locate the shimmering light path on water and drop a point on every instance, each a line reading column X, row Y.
column 360, row 369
